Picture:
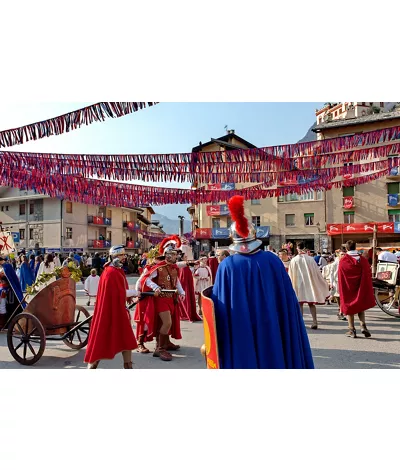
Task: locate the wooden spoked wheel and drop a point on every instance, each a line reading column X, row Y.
column 26, row 339
column 79, row 338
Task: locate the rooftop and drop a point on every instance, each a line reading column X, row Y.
column 224, row 141
column 358, row 120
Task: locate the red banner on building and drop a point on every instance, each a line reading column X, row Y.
column 98, row 220
column 214, row 187
column 203, row 233
column 367, row 227
column 348, row 202
column 130, row 244
column 385, row 227
column 213, row 210
column 334, row 229
column 98, row 243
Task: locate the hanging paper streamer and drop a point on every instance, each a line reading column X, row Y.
column 90, row 191
column 236, row 166
column 69, row 121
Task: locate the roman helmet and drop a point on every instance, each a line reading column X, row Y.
column 117, row 252
column 169, row 246
column 242, row 231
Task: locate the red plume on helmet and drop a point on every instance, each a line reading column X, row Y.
column 166, row 241
column 236, row 208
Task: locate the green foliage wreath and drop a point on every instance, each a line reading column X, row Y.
column 76, row 275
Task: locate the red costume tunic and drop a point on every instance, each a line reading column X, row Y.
column 355, row 285
column 212, row 262
column 152, row 306
column 188, row 310
column 111, row 330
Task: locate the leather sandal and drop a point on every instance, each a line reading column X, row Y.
column 128, row 365
column 142, row 349
column 172, row 346
column 93, row 365
column 314, row 326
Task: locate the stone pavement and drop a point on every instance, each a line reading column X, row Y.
column 331, row 348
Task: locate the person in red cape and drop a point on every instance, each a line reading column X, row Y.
column 355, row 288
column 189, row 307
column 111, row 330
column 145, row 312
column 213, row 264
column 164, row 275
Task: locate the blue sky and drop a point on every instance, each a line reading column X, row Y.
column 166, row 128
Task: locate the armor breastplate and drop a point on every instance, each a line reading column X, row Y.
column 167, row 277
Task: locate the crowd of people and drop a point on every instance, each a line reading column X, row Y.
column 343, row 278
column 259, row 296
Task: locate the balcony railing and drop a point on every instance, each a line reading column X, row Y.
column 99, row 220
column 99, row 243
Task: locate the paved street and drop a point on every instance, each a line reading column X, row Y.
column 331, row 348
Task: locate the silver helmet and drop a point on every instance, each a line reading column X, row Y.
column 115, row 253
column 117, row 250
column 244, row 245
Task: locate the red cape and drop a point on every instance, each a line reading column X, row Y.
column 111, row 330
column 146, row 312
column 355, row 285
column 188, row 310
column 213, row 265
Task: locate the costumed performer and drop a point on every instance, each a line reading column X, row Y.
column 25, row 274
column 144, row 312
column 334, row 281
column 258, row 319
column 212, row 263
column 14, row 284
column 202, row 278
column 189, row 309
column 355, row 288
column 308, row 283
column 111, row 330
column 165, row 276
column 92, row 286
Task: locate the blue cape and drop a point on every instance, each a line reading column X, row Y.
column 13, row 281
column 25, row 276
column 258, row 318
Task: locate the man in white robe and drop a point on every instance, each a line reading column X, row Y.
column 308, row 283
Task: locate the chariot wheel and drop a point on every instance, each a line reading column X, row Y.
column 26, row 339
column 387, row 301
column 79, row 338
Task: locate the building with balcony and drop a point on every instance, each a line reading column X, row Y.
column 307, row 217
column 353, row 211
column 40, row 222
column 278, row 220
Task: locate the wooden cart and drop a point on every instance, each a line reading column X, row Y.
column 51, row 315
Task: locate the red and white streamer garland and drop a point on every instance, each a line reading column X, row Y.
column 247, row 166
column 69, row 121
column 89, row 191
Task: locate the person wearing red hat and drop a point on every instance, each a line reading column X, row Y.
column 164, row 276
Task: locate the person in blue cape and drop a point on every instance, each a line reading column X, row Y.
column 25, row 275
column 258, row 318
column 13, row 280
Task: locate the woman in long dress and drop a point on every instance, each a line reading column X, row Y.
column 46, row 267
column 202, row 279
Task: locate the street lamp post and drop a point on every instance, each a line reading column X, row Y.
column 181, row 226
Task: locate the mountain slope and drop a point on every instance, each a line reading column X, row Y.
column 171, row 226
